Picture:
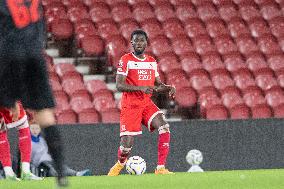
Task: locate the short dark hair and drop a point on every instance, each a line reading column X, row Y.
column 139, row 32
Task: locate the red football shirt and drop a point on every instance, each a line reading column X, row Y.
column 138, row 72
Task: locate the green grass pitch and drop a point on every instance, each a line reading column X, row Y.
column 244, row 179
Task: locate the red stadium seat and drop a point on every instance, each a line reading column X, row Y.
column 94, row 86
column 279, row 111
column 265, row 82
column 186, row 97
column 127, row 27
column 164, row 12
column 194, row 27
column 77, row 13
column 103, row 100
column 207, row 11
column 200, row 82
column 249, row 12
column 217, row 113
column 55, row 85
column 111, row 116
column 221, row 81
column 246, row 45
column 212, row 62
column 72, row 86
column 270, row 11
column 258, row 27
column 254, row 99
column 256, row 62
column 173, row 28
column 88, row 117
column 168, row 63
column 107, row 28
column 178, row 79
column 99, row 12
column 276, row 62
column 62, row 29
column 152, row 27
column 234, row 62
column 209, row 101
column 228, row 11
column 160, row 46
column 239, row 112
column 203, row 45
column 92, row 45
column 190, row 62
column 275, row 97
column 198, row 3
column 182, row 46
column 115, row 47
column 225, row 45
column 121, row 12
column 216, row 28
column 232, row 100
column 64, row 68
column 185, row 11
column 66, row 118
column 261, row 111
column 280, row 80
column 79, row 104
column 277, row 26
column 243, row 79
column 142, row 12
column 237, row 28
column 268, row 45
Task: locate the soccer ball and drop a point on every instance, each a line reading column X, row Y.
column 136, row 165
column 194, row 157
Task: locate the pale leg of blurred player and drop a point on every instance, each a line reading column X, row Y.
column 45, row 118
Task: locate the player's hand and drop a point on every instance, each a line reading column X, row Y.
column 15, row 112
column 172, row 91
column 147, row 89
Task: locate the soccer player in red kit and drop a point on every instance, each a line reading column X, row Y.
column 137, row 77
column 19, row 121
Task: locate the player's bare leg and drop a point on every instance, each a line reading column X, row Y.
column 163, row 143
column 126, row 143
column 45, row 118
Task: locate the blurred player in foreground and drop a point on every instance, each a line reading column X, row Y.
column 9, row 121
column 23, row 74
column 137, row 77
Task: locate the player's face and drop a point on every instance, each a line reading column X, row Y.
column 139, row 43
column 35, row 129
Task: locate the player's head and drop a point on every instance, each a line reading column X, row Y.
column 139, row 40
column 35, row 129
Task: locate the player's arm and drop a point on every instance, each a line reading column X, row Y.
column 122, row 86
column 160, row 87
column 15, row 112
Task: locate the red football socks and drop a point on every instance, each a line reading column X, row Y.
column 163, row 147
column 5, row 156
column 25, row 144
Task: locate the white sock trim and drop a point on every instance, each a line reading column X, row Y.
column 26, row 167
column 160, row 167
column 9, row 171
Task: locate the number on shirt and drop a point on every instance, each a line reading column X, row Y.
column 23, row 15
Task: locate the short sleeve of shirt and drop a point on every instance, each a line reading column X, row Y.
column 122, row 67
column 156, row 70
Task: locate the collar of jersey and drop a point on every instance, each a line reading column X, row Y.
column 138, row 58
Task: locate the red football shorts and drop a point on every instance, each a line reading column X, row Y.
column 21, row 122
column 131, row 118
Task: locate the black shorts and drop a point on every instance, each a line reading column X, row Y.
column 23, row 74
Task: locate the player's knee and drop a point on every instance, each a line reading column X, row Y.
column 45, row 118
column 164, row 129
